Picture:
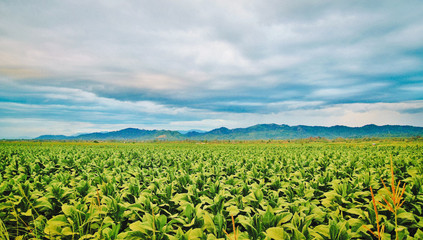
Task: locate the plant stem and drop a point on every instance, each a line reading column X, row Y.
column 396, row 224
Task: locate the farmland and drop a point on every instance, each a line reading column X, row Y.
column 211, row 190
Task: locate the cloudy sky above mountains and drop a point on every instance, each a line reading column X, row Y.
column 69, row 67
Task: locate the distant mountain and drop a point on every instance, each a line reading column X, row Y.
column 260, row 131
column 52, row 137
column 124, row 134
column 192, row 130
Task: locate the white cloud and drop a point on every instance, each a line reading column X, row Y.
column 353, row 115
column 206, row 62
column 17, row 128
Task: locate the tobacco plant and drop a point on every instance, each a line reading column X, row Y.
column 218, row 190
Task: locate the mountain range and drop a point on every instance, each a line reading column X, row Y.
column 256, row 132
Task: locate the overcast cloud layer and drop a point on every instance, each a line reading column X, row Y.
column 69, row 67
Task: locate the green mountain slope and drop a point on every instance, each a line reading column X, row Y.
column 256, row 132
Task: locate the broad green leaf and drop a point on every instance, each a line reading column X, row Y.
column 51, row 230
column 402, row 232
column 285, row 218
column 67, row 231
column 136, row 207
column 419, row 234
column 413, row 172
column 59, row 220
column 194, row 234
column 233, row 210
column 107, row 231
column 355, row 223
column 123, row 235
column 27, row 213
column 54, row 225
column 299, row 235
column 67, row 209
column 161, row 220
column 138, row 226
column 5, row 205
column 108, row 220
column 258, row 194
column 355, row 211
column 406, row 217
column 208, row 223
column 190, row 224
column 276, row 233
column 179, row 198
column 43, row 204
column 322, row 230
column 170, row 237
column 90, row 236
column 211, row 237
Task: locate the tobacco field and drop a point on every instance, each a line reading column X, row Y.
column 212, row 190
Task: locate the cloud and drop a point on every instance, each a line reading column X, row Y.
column 210, row 62
column 293, row 113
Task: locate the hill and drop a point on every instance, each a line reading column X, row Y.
column 256, row 132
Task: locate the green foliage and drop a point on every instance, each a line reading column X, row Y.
column 186, row 190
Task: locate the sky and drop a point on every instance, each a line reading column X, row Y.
column 70, row 67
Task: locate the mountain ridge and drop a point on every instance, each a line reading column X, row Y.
column 255, row 132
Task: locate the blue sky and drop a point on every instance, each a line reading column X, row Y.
column 69, row 67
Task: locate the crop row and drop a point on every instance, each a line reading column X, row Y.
column 207, row 191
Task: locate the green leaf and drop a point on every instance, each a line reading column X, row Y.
column 54, row 225
column 208, row 223
column 233, row 210
column 43, row 204
column 322, row 230
column 161, row 221
column 123, row 235
column 90, row 236
column 298, row 235
column 138, row 226
column 108, row 220
column 189, row 210
column 211, row 237
column 27, row 213
column 355, row 223
column 258, row 194
column 170, row 237
column 67, row 209
column 67, row 231
column 136, row 207
column 194, row 234
column 179, row 198
column 285, row 218
column 333, row 230
column 355, row 211
column 59, row 220
column 406, row 217
column 268, row 217
column 276, row 233
column 402, row 232
column 419, row 234
column 190, row 224
column 413, row 172
column 6, row 206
